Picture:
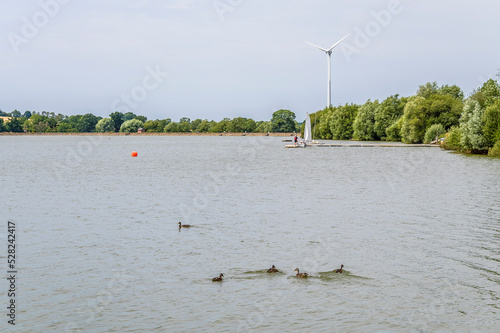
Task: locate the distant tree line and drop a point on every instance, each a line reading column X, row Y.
column 469, row 124
column 434, row 112
column 48, row 122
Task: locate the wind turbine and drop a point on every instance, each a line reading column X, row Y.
column 329, row 60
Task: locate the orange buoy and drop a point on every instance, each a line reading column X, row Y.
column 134, row 154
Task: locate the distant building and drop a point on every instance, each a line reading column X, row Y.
column 141, row 130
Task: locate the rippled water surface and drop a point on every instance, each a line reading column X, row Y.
column 418, row 230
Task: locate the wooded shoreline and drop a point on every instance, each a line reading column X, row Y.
column 145, row 134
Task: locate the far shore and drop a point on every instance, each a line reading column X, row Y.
column 153, row 134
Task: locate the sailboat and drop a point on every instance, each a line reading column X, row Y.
column 307, row 130
column 308, row 139
column 307, row 135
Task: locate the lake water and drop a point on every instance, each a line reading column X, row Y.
column 98, row 248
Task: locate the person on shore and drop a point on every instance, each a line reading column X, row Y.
column 295, row 139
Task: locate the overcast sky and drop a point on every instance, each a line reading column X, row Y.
column 228, row 58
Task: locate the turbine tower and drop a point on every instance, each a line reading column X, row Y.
column 329, row 60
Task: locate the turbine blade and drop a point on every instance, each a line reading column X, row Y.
column 322, row 49
column 331, row 48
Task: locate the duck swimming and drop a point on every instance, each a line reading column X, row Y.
column 184, row 225
column 301, row 275
column 217, row 279
column 340, row 270
column 273, row 270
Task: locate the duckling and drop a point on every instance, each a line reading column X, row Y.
column 301, row 275
column 340, row 270
column 184, row 225
column 218, row 279
column 273, row 270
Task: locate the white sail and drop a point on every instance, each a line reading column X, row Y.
column 307, row 130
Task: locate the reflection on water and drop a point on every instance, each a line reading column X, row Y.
column 417, row 229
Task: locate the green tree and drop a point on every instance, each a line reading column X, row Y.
column 14, row 125
column 263, row 126
column 171, row 127
column 184, row 120
column 386, row 115
column 320, row 125
column 117, row 118
column 2, row 126
column 195, row 123
column 432, row 88
column 341, row 121
column 283, row 121
column 221, row 126
column 495, row 150
column 141, row 118
column 184, row 127
column 420, row 113
column 15, row 113
column 162, row 123
column 453, row 91
column 365, row 122
column 444, row 109
column 478, row 96
column 131, row 126
column 491, row 119
column 204, row 126
column 452, row 139
column 41, row 127
column 36, row 123
column 250, row 125
column 105, row 125
column 428, row 89
column 434, row 132
column 471, row 126
column 52, row 125
column 236, row 125
column 65, row 127
column 393, row 132
column 241, row 125
column 413, row 122
column 87, row 123
column 27, row 114
column 73, row 121
column 491, row 92
column 151, row 126
column 128, row 116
